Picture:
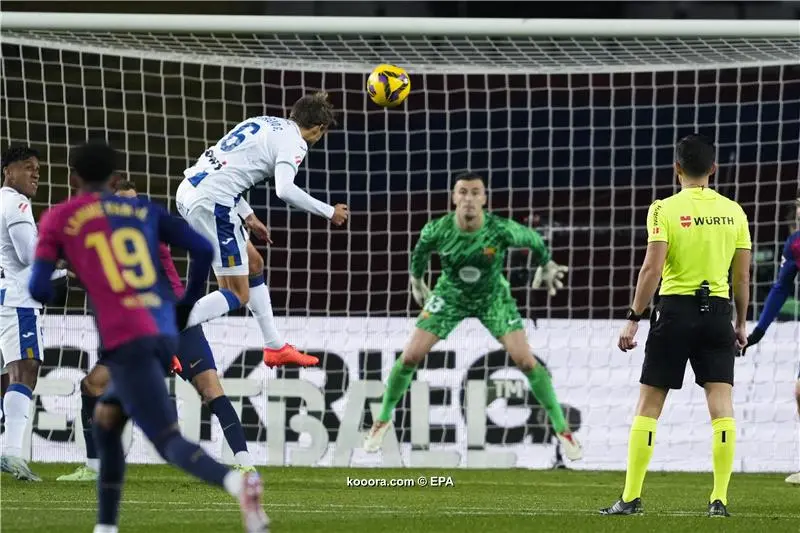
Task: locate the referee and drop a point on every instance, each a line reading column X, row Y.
column 694, row 239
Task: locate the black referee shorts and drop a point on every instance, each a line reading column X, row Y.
column 680, row 332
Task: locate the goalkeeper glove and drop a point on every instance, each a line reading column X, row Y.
column 419, row 291
column 753, row 338
column 551, row 275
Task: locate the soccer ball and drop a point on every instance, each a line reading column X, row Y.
column 388, row 85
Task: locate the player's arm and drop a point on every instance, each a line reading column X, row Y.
column 289, row 156
column 420, row 257
column 293, row 195
column 47, row 254
column 780, row 291
column 165, row 256
column 654, row 259
column 23, row 238
column 251, row 221
column 548, row 272
column 176, row 232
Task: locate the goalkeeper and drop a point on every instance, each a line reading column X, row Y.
column 472, row 244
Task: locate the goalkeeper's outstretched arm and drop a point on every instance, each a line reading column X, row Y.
column 420, row 257
column 520, row 236
column 548, row 272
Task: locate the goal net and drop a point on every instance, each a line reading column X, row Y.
column 574, row 133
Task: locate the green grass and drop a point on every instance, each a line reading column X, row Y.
column 298, row 500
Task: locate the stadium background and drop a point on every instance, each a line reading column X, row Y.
column 591, row 147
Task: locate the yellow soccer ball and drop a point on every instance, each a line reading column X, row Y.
column 388, row 85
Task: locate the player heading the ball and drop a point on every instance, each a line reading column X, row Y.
column 472, row 245
column 210, row 199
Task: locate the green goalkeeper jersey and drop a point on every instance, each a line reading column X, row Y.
column 473, row 262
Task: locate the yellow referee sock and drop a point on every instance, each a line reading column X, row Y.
column 723, row 448
column 640, row 450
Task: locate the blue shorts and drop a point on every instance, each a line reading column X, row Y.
column 138, row 369
column 194, row 353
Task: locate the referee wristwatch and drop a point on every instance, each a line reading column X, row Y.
column 632, row 316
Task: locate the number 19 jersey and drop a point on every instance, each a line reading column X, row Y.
column 245, row 157
column 112, row 246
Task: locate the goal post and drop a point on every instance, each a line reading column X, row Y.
column 572, row 122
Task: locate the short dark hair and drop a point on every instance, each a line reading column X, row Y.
column 313, row 110
column 695, row 154
column 124, row 185
column 17, row 153
column 94, row 162
column 469, row 176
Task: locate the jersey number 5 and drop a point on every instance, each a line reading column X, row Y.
column 125, row 258
column 237, row 136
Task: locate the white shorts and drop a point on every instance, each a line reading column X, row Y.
column 20, row 334
column 219, row 224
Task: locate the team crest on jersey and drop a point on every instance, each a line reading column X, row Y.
column 469, row 274
column 489, row 252
column 686, row 221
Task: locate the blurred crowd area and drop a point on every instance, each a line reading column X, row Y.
column 499, row 9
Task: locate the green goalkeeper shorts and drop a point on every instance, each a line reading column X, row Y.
column 443, row 312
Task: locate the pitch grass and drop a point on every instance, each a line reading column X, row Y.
column 161, row 499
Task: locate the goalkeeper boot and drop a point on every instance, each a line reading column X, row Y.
column 82, row 473
column 572, row 448
column 18, row 468
column 254, row 518
column 717, row 508
column 374, row 439
column 794, row 479
column 624, row 508
column 288, row 355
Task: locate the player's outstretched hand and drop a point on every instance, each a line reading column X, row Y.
column 551, row 275
column 340, row 214
column 420, row 291
column 752, row 339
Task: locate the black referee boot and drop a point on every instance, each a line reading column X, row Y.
column 624, row 508
column 717, row 508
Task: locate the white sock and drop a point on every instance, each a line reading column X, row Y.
column 16, row 405
column 105, row 528
column 93, row 464
column 213, row 305
column 232, row 483
column 260, row 305
column 243, row 458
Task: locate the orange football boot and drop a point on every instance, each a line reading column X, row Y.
column 288, row 355
column 177, row 368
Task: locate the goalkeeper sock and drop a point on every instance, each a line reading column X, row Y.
column 542, row 388
column 723, row 448
column 261, row 307
column 213, row 305
column 640, row 450
column 397, row 385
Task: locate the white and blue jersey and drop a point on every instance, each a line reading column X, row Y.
column 245, row 157
column 210, row 195
column 20, row 328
